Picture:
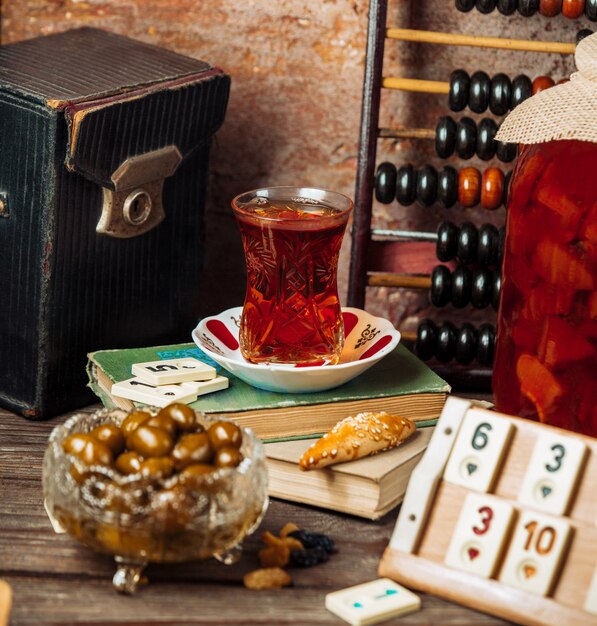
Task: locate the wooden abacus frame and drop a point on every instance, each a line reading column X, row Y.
column 430, row 513
column 370, row 132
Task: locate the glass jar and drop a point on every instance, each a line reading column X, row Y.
column 546, row 356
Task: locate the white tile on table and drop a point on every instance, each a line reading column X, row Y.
column 140, row 391
column 207, row 386
column 172, row 371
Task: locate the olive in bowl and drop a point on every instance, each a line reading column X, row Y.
column 153, row 486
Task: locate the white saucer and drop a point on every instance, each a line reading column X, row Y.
column 367, row 340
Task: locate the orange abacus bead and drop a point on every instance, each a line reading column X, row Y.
column 573, row 8
column 492, row 188
column 549, row 8
column 541, row 83
column 469, row 186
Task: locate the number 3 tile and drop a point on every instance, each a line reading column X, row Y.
column 478, row 451
column 480, row 534
column 552, row 473
column 535, row 552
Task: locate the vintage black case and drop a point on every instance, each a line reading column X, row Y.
column 97, row 133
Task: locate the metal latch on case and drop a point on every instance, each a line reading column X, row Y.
column 135, row 205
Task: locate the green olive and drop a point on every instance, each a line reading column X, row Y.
column 150, row 441
column 172, row 509
column 75, row 443
column 225, row 434
column 157, row 467
column 198, row 469
column 182, row 414
column 111, row 435
column 165, row 422
column 133, row 421
column 192, row 448
column 129, row 463
column 95, row 452
column 227, row 457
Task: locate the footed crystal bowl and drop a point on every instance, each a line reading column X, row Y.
column 140, row 519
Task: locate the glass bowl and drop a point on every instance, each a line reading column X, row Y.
column 139, row 519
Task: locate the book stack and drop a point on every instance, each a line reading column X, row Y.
column 398, row 384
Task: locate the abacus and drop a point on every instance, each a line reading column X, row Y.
column 500, row 515
column 462, row 353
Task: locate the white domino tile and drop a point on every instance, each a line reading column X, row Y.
column 140, row 391
column 591, row 599
column 207, row 386
column 372, row 602
column 171, row 371
column 478, row 450
column 535, row 552
column 480, row 534
column 552, row 473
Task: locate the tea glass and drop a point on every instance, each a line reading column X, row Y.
column 292, row 238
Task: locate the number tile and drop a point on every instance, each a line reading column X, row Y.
column 479, row 450
column 535, row 552
column 477, row 543
column 372, row 602
column 171, row 371
column 207, row 386
column 140, row 391
column 591, row 600
column 552, row 473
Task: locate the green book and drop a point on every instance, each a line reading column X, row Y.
column 400, row 384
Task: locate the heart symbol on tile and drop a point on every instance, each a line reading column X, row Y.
column 545, row 490
column 471, row 468
column 473, row 553
column 529, row 571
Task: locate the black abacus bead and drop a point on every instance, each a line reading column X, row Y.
column 522, row 88
column 481, row 289
column 462, row 283
column 496, row 289
column 500, row 95
column 485, row 344
column 441, row 286
column 447, row 186
column 447, row 238
column 486, row 6
column 507, row 7
column 528, row 7
column 486, row 144
column 406, row 185
column 478, row 99
column 464, row 6
column 581, row 34
column 385, row 182
column 446, row 342
column 487, row 247
column 501, row 244
column 467, row 243
column 466, row 138
column 591, row 10
column 506, row 152
column 445, row 137
column 426, row 344
column 466, row 344
column 427, row 185
column 459, row 90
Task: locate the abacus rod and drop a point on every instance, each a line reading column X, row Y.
column 416, row 84
column 458, row 39
column 408, row 336
column 403, row 234
column 407, row 133
column 387, row 279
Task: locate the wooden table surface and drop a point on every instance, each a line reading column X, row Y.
column 57, row 581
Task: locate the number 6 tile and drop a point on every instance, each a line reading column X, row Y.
column 552, row 473
column 478, row 450
column 480, row 534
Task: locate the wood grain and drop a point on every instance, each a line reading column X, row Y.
column 57, row 581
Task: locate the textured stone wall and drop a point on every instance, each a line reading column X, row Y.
column 297, row 70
